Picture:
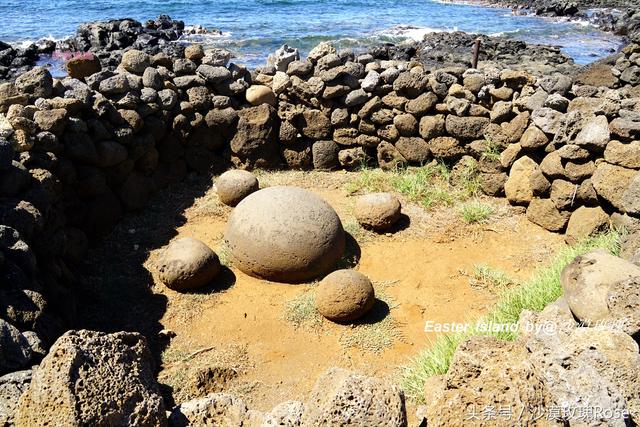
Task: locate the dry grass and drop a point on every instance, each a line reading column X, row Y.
column 182, row 369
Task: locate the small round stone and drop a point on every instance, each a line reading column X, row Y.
column 344, row 296
column 186, row 264
column 377, row 211
column 258, row 94
column 235, row 185
column 284, row 234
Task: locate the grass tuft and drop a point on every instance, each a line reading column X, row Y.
column 301, row 311
column 380, row 330
column 543, row 289
column 485, row 276
column 476, row 211
column 431, row 185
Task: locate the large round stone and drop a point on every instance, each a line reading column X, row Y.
column 235, row 185
column 284, row 234
column 187, row 264
column 377, row 211
column 344, row 296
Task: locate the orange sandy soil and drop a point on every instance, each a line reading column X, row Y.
column 244, row 328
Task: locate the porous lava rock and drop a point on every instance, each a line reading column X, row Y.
column 340, row 397
column 377, row 211
column 344, row 296
column 186, row 264
column 93, row 379
column 284, row 234
column 235, row 185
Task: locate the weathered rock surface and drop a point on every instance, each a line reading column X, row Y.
column 93, row 378
column 340, row 397
column 595, row 289
column 486, row 371
column 585, row 222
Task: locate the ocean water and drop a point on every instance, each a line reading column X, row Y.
column 254, row 28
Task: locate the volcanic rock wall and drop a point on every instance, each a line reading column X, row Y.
column 75, row 155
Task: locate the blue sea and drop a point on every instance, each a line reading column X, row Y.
column 254, row 28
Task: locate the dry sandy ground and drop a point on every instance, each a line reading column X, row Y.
column 261, row 340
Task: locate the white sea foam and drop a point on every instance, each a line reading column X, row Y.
column 412, row 32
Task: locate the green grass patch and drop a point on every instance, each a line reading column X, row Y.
column 431, row 185
column 493, row 150
column 476, row 211
column 542, row 289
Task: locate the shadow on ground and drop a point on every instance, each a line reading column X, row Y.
column 116, row 290
column 378, row 313
column 352, row 253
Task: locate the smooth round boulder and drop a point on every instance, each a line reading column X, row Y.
column 235, row 185
column 187, row 264
column 258, row 94
column 344, row 296
column 377, row 211
column 284, row 234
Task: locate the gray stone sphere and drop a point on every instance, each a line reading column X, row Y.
column 186, row 264
column 284, row 234
column 235, row 185
column 377, row 211
column 344, row 296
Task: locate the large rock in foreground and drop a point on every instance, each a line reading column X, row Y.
column 603, row 289
column 285, row 234
column 485, row 372
column 340, row 398
column 93, row 379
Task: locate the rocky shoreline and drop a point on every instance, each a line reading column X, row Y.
column 108, row 40
column 76, row 154
column 620, row 17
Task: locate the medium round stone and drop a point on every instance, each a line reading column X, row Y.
column 344, row 296
column 135, row 61
column 258, row 94
column 194, row 52
column 377, row 211
column 187, row 264
column 235, row 185
column 284, row 234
